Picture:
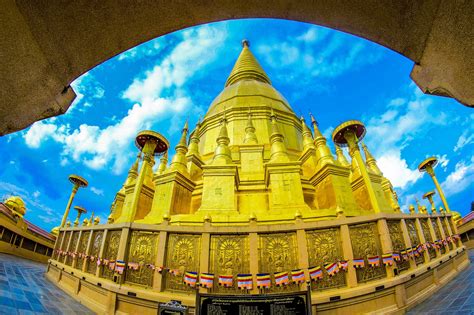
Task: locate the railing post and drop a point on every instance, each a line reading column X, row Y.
column 406, row 238
column 386, row 243
column 351, row 275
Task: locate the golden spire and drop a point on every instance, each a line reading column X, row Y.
column 247, row 67
column 179, row 159
column 418, row 206
column 193, row 148
column 163, row 162
column 341, row 158
column 323, row 153
column 250, row 137
column 133, row 172
column 278, row 149
column 370, row 161
column 222, row 154
column 307, row 136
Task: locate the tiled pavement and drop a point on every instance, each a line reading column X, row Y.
column 24, row 290
column 457, row 297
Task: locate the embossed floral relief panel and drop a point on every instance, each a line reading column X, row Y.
column 278, row 253
column 94, row 251
column 324, row 246
column 425, row 225
column 72, row 247
column 414, row 238
column 66, row 241
column 82, row 248
column 365, row 242
column 398, row 243
column 110, row 251
column 142, row 250
column 182, row 253
column 229, row 255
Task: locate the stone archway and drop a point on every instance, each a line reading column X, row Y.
column 46, row 45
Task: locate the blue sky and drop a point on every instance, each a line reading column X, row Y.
column 161, row 83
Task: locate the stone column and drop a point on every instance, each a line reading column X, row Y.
column 101, row 251
column 160, row 260
column 443, row 233
column 253, row 259
column 433, row 236
column 74, row 259
column 123, row 246
column 421, row 236
column 386, row 243
column 303, row 259
column 406, row 238
column 204, row 257
column 351, row 275
column 87, row 251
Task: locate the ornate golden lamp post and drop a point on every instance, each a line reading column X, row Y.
column 80, row 210
column 429, row 195
column 349, row 134
column 427, row 166
column 77, row 182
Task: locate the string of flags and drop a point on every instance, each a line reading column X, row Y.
column 264, row 280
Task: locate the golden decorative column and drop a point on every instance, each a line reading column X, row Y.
column 421, row 236
column 386, row 243
column 80, row 210
column 351, row 275
column 349, row 134
column 429, row 195
column 406, row 238
column 77, row 182
column 427, row 166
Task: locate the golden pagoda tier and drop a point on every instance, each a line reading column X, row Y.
column 253, row 190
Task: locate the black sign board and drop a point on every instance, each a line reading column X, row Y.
column 298, row 303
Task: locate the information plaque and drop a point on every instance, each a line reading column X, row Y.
column 298, row 303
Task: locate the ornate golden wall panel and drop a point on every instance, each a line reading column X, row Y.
column 58, row 245
column 398, row 243
column 142, row 250
column 229, row 255
column 446, row 232
column 66, row 240
column 82, row 248
column 324, row 246
column 94, row 251
column 110, row 251
column 277, row 253
column 442, row 250
column 182, row 253
column 366, row 242
column 414, row 238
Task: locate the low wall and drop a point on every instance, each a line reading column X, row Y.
column 389, row 295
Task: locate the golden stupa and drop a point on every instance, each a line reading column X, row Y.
column 252, row 190
column 252, row 156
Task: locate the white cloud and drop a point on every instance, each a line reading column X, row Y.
column 97, row 191
column 150, row 48
column 86, row 88
column 466, row 138
column 395, row 168
column 442, row 161
column 390, row 132
column 158, row 94
column 460, row 179
column 36, row 194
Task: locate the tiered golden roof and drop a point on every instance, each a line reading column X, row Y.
column 251, row 157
